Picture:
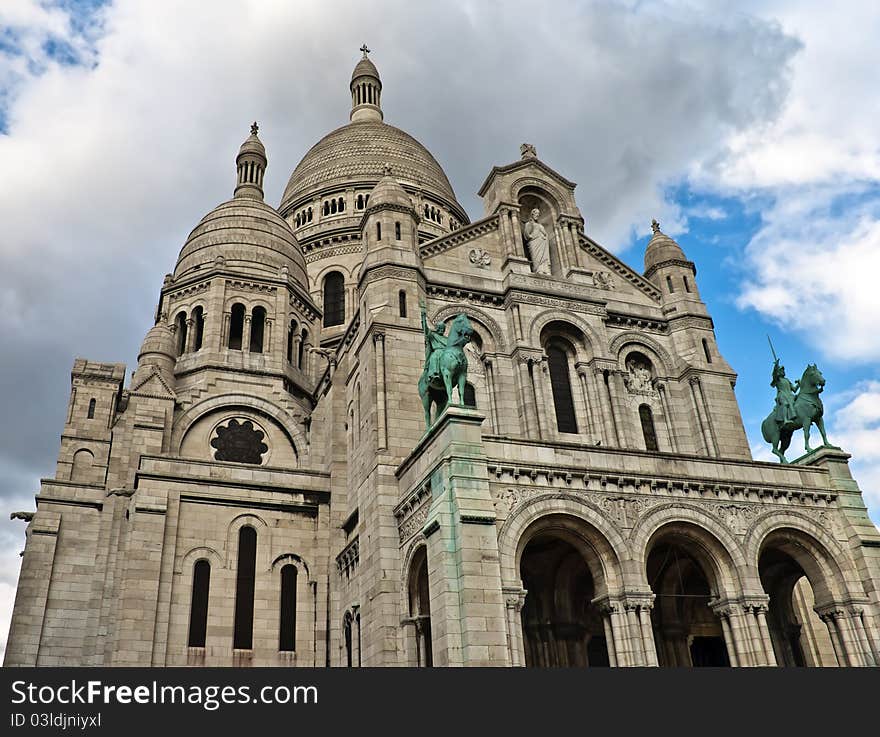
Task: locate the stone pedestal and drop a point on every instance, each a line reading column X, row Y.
column 467, row 606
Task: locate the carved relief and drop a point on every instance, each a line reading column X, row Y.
column 737, row 517
column 413, row 524
column 479, row 258
column 639, row 375
column 603, row 280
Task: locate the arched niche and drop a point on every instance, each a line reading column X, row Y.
column 239, row 435
column 530, row 198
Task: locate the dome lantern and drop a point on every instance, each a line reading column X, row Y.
column 366, row 90
column 251, row 166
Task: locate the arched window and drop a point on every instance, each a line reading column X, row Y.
column 309, row 218
column 397, row 231
column 334, row 299
column 236, row 326
column 341, row 205
column 360, row 202
column 706, row 351
column 291, row 331
column 258, row 326
column 243, row 631
column 378, row 231
column 401, row 302
column 81, row 470
column 198, row 328
column 287, row 636
column 470, row 396
column 669, row 285
column 300, row 359
column 687, row 284
column 427, row 212
column 326, row 208
column 560, row 383
column 92, row 403
column 198, row 607
column 646, row 416
column 346, row 633
column 297, row 220
column 180, row 329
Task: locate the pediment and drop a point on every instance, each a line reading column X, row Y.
column 153, row 386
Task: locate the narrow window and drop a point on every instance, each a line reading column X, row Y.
column 706, row 351
column 341, row 205
column 287, row 637
column 180, row 325
column 427, row 212
column 243, row 635
column 470, row 396
column 198, row 608
column 198, row 328
column 258, row 326
column 378, row 231
column 309, row 218
column 560, row 383
column 669, row 285
column 92, row 403
column 397, row 231
column 687, row 284
column 647, row 419
column 333, row 207
column 346, row 632
column 236, row 326
column 291, row 331
column 334, row 299
column 360, row 202
column 301, row 358
column 326, row 208
column 297, row 220
column 401, row 302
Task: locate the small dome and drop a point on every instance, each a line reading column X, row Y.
column 246, row 234
column 364, row 68
column 661, row 248
column 253, row 145
column 389, row 192
column 158, row 341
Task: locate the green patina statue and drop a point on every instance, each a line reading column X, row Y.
column 445, row 363
column 798, row 406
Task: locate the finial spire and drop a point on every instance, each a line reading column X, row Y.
column 365, row 50
column 254, row 128
column 251, row 165
column 386, row 170
column 528, row 151
column 655, row 226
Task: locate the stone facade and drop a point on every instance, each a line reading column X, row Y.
column 263, row 490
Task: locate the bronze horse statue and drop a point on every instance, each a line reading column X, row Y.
column 445, row 366
column 808, row 410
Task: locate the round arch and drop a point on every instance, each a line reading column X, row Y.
column 580, row 521
column 589, row 340
column 492, row 329
column 663, row 361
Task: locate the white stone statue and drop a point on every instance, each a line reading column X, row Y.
column 539, row 243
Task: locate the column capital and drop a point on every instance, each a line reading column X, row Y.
column 379, row 337
column 514, row 598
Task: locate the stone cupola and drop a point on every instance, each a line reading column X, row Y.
column 366, row 90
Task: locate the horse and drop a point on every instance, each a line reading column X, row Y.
column 450, row 370
column 808, row 411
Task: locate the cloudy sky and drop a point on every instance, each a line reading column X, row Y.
column 751, row 135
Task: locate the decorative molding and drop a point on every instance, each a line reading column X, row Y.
column 516, row 296
column 480, row 258
column 619, row 268
column 412, row 513
column 347, row 561
column 457, row 237
column 461, row 294
column 176, row 295
column 251, row 286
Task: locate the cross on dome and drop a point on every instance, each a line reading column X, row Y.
column 655, row 226
column 254, row 128
column 365, row 50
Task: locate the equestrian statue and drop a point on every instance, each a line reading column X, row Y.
column 445, row 363
column 798, row 406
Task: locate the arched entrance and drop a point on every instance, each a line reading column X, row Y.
column 687, row 633
column 561, row 625
column 799, row 637
column 420, row 607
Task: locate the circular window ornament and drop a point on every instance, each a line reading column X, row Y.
column 239, row 442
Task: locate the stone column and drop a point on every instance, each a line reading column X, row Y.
column 606, row 413
column 698, row 414
column 542, row 405
column 515, row 598
column 294, row 353
column 733, row 641
column 764, row 629
column 246, row 334
column 707, row 414
column 858, row 625
column 379, row 342
column 267, row 337
column 830, row 620
column 490, row 390
column 615, row 389
column 667, row 414
column 190, row 335
column 648, row 634
column 583, row 372
column 530, row 421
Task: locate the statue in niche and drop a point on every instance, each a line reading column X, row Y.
column 639, row 379
column 538, row 242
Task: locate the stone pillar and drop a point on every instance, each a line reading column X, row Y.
column 734, row 639
column 490, row 390
column 583, row 372
column 648, row 634
column 615, row 391
column 764, row 629
column 698, row 414
column 667, row 414
column 515, row 598
column 294, row 354
column 246, row 334
column 379, row 342
column 530, row 421
column 616, row 636
column 542, row 403
column 190, row 335
column 224, row 332
column 267, row 337
column 830, row 620
column 707, row 415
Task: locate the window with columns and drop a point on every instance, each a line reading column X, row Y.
column 198, row 317
column 334, row 299
column 558, row 363
column 236, row 326
column 180, row 328
column 258, row 329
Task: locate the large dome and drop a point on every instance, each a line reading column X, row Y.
column 359, row 152
column 247, row 234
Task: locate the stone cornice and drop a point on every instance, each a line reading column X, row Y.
column 457, row 237
column 671, row 262
column 618, row 267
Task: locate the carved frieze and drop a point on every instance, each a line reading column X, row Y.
column 479, row 258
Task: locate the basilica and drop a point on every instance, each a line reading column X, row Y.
column 265, row 489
